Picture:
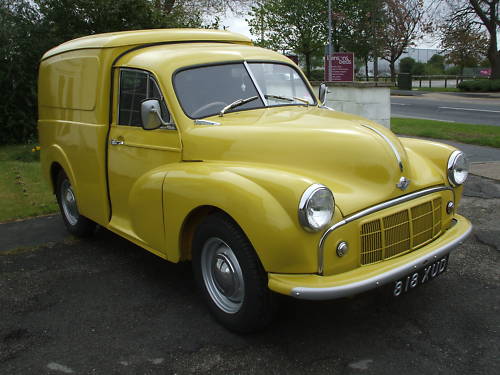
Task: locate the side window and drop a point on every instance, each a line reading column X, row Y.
column 135, row 87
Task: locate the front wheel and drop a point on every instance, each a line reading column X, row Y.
column 76, row 224
column 230, row 275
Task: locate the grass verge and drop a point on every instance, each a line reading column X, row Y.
column 23, row 192
column 482, row 135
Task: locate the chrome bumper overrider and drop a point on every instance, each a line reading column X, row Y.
column 350, row 289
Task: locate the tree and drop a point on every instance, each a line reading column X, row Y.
column 463, row 43
column 363, row 26
column 28, row 28
column 485, row 13
column 405, row 22
column 290, row 25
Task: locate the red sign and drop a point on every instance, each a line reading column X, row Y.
column 339, row 67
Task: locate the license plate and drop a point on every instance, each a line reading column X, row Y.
column 414, row 279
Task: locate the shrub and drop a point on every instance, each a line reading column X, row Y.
column 482, row 85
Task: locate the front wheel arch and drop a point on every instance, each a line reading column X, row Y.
column 236, row 292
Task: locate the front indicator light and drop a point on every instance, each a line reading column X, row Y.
column 342, row 248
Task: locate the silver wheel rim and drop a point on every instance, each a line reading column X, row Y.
column 222, row 275
column 68, row 203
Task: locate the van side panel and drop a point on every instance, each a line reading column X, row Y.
column 73, row 99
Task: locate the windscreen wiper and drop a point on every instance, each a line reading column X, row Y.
column 287, row 98
column 236, row 103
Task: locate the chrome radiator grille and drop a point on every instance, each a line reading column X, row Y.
column 401, row 232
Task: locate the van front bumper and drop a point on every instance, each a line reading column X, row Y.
column 362, row 279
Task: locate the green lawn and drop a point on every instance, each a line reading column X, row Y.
column 483, row 135
column 23, row 192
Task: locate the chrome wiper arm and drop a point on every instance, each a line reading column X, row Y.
column 279, row 97
column 287, row 98
column 236, row 103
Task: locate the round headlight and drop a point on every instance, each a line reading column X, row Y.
column 458, row 168
column 316, row 208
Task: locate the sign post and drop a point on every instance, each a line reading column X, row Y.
column 339, row 67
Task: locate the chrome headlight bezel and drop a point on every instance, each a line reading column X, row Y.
column 457, row 159
column 305, row 219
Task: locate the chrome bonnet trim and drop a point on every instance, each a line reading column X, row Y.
column 371, row 210
column 389, row 142
column 379, row 280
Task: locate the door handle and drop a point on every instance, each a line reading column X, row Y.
column 116, row 142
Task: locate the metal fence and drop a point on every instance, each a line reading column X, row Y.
column 442, row 80
column 428, row 80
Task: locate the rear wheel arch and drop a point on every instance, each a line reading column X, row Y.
column 55, row 170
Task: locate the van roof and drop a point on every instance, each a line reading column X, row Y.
column 138, row 37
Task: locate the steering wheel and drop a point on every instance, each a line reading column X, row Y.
column 203, row 108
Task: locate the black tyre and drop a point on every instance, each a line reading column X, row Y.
column 230, row 275
column 76, row 224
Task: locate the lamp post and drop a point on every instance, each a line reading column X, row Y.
column 330, row 46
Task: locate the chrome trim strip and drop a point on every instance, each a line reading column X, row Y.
column 371, row 210
column 379, row 280
column 252, row 77
column 394, row 149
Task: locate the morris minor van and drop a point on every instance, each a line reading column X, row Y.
column 198, row 146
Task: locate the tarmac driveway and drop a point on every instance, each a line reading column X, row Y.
column 105, row 306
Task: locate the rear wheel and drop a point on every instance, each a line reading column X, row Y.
column 230, row 276
column 76, row 224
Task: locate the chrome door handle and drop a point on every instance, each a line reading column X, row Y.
column 115, row 142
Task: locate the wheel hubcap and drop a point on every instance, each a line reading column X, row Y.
column 68, row 202
column 222, row 275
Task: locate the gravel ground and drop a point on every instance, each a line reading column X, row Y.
column 105, row 306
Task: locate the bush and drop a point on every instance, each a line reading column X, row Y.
column 482, row 85
column 406, row 65
column 418, row 69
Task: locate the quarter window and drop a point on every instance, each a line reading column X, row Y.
column 135, row 87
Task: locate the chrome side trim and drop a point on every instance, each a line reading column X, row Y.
column 379, row 280
column 394, row 149
column 371, row 210
column 252, row 77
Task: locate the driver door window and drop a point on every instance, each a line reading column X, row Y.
column 135, row 87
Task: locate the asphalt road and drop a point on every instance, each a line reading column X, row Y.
column 454, row 107
column 105, row 306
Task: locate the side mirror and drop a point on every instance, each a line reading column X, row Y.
column 323, row 90
column 151, row 114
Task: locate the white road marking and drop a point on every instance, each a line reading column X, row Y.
column 58, row 367
column 470, row 109
column 157, row 361
column 399, row 104
column 361, row 365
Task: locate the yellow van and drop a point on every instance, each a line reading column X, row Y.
column 197, row 145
